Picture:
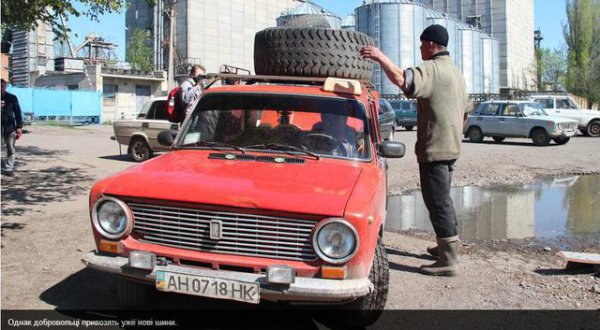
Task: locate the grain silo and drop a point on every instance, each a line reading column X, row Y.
column 396, row 26
column 309, row 11
column 349, row 23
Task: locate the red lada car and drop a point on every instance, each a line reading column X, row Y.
column 270, row 192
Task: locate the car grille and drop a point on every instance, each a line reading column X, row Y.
column 242, row 234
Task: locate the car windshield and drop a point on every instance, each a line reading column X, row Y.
column 532, row 109
column 401, row 105
column 302, row 125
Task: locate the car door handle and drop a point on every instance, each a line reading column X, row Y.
column 175, row 126
column 501, row 119
column 145, row 125
column 479, row 119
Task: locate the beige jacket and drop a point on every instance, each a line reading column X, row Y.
column 441, row 94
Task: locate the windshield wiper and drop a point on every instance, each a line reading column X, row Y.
column 215, row 145
column 282, row 147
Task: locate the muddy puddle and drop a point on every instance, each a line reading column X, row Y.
column 563, row 210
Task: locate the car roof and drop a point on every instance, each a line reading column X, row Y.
column 509, row 101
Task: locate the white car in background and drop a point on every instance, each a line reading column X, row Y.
column 140, row 134
column 565, row 107
column 525, row 119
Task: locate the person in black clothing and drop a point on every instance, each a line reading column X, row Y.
column 12, row 124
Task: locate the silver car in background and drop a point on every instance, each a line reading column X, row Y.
column 524, row 119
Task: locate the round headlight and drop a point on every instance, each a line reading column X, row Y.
column 335, row 241
column 111, row 217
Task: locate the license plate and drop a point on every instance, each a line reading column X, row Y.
column 211, row 287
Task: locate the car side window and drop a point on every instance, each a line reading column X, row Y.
column 489, row 110
column 160, row 110
column 546, row 103
column 510, row 110
column 150, row 113
column 572, row 105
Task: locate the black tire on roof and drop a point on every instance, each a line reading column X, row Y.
column 313, row 52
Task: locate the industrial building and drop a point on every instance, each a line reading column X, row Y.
column 509, row 21
column 32, row 54
column 396, row 26
column 207, row 32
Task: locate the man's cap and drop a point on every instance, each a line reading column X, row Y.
column 437, row 34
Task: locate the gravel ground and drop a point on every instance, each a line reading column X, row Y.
column 46, row 230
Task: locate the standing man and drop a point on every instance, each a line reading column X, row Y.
column 441, row 93
column 12, row 124
column 191, row 88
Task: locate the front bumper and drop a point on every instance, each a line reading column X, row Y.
column 563, row 132
column 302, row 290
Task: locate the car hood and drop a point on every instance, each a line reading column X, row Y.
column 590, row 113
column 315, row 187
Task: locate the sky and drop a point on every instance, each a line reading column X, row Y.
column 549, row 16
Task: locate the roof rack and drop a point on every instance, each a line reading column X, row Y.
column 252, row 79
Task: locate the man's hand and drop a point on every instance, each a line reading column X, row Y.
column 372, row 53
column 393, row 72
column 18, row 133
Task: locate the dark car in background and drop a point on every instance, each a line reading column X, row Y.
column 387, row 120
column 406, row 113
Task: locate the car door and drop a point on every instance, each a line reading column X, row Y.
column 566, row 108
column 486, row 118
column 510, row 121
column 156, row 122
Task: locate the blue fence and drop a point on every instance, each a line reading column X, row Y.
column 60, row 105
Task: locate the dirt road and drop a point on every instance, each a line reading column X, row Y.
column 46, row 229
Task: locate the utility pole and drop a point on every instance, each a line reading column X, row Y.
column 172, row 21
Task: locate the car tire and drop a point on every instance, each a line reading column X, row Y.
column 498, row 138
column 364, row 311
column 312, row 52
column 593, row 128
column 409, row 128
column 561, row 140
column 475, row 135
column 133, row 294
column 139, row 150
column 540, row 137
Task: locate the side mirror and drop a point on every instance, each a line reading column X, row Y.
column 391, row 149
column 166, row 138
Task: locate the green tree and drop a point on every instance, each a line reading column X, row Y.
column 139, row 52
column 579, row 33
column 553, row 67
column 25, row 15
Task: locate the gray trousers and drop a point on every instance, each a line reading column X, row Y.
column 9, row 140
column 436, row 178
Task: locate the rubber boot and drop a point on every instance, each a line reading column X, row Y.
column 446, row 263
column 433, row 251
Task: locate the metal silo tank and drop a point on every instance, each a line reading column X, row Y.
column 396, row 27
column 309, row 8
column 468, row 62
column 477, row 62
column 349, row 23
column 491, row 73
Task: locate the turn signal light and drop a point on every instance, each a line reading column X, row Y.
column 109, row 246
column 337, row 273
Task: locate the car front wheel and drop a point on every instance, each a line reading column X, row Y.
column 364, row 311
column 540, row 137
column 475, row 135
column 593, row 128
